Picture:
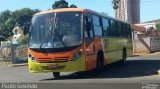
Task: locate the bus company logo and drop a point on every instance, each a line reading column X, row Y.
column 149, row 86
column 52, row 58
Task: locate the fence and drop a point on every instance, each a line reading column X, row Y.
column 143, row 44
column 19, row 53
column 5, row 54
column 14, row 53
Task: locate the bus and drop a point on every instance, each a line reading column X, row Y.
column 76, row 39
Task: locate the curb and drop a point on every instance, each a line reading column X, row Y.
column 154, row 53
column 149, row 54
column 17, row 65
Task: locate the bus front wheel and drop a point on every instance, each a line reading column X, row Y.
column 56, row 74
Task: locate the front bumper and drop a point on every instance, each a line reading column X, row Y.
column 70, row 66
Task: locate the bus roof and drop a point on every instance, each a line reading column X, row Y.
column 75, row 9
column 62, row 10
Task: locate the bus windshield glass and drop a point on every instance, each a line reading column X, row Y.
column 56, row 30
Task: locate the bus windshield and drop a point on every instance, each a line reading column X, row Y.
column 56, row 30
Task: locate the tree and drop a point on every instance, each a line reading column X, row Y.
column 158, row 27
column 73, row 6
column 25, row 39
column 5, row 22
column 62, row 4
column 104, row 13
column 4, row 15
column 9, row 19
column 23, row 18
column 116, row 4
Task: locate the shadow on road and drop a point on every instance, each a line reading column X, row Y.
column 133, row 68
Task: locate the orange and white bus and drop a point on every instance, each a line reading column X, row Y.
column 75, row 39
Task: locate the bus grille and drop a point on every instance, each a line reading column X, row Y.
column 52, row 60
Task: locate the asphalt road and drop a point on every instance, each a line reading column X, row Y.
column 137, row 70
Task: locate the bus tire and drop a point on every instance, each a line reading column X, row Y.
column 56, row 74
column 124, row 56
column 100, row 61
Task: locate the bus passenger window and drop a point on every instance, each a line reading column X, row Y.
column 119, row 29
column 106, row 30
column 97, row 25
column 89, row 31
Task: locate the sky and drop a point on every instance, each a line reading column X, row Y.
column 150, row 9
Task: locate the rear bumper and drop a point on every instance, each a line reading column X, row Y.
column 70, row 66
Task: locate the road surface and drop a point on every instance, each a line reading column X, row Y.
column 137, row 70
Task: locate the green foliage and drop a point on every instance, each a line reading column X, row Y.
column 4, row 23
column 25, row 39
column 104, row 13
column 62, row 4
column 9, row 19
column 73, row 6
column 116, row 4
column 23, row 17
column 158, row 27
column 4, row 15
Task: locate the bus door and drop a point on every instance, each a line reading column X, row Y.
column 89, row 43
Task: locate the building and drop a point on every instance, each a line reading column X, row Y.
column 149, row 24
column 129, row 10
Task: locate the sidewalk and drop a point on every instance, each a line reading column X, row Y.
column 145, row 54
column 16, row 65
column 5, row 64
column 9, row 64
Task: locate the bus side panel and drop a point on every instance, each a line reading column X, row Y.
column 124, row 43
column 99, row 46
column 114, row 48
column 91, row 57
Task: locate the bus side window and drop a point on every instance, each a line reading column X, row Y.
column 128, row 30
column 119, row 29
column 89, row 35
column 106, row 29
column 97, row 26
column 89, row 31
column 123, row 30
column 112, row 27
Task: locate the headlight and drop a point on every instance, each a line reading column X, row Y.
column 32, row 57
column 76, row 56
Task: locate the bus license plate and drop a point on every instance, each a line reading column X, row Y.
column 53, row 66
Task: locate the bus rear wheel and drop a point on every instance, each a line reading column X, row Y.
column 56, row 74
column 124, row 56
